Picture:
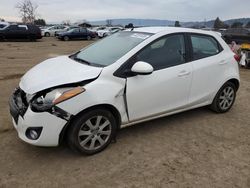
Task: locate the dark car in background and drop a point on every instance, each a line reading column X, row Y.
column 16, row 31
column 78, row 33
column 239, row 35
column 65, row 30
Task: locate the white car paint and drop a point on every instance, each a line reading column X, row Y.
column 108, row 31
column 137, row 98
column 52, row 30
column 58, row 71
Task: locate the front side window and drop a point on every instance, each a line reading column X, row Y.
column 167, row 52
column 204, row 46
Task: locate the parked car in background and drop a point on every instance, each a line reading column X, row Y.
column 15, row 31
column 50, row 31
column 65, row 30
column 108, row 31
column 77, row 33
column 3, row 25
column 127, row 78
column 95, row 29
column 239, row 35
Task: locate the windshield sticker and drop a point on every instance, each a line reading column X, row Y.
column 140, row 36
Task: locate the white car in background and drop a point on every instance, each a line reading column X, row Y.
column 50, row 31
column 108, row 31
column 128, row 78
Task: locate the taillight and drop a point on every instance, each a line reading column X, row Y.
column 237, row 57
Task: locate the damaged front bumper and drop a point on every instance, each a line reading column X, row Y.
column 36, row 128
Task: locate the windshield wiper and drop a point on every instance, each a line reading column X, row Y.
column 74, row 57
column 81, row 60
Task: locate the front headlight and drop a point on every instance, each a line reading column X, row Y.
column 47, row 101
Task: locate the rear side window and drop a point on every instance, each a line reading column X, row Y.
column 204, row 46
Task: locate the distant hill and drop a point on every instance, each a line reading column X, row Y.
column 156, row 22
column 136, row 22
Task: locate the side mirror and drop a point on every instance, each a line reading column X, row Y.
column 142, row 68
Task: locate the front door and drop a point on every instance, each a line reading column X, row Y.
column 167, row 88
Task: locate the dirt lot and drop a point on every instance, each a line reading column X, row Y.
column 197, row 148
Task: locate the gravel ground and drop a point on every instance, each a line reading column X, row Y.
column 197, row 148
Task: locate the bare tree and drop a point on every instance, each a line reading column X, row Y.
column 27, row 11
column 66, row 22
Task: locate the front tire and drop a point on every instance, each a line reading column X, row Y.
column 92, row 132
column 224, row 99
column 66, row 38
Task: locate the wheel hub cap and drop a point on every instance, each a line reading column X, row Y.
column 94, row 133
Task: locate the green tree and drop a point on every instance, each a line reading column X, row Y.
column 40, row 22
column 177, row 24
column 218, row 24
column 130, row 25
column 237, row 25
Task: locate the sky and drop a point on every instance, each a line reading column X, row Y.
column 92, row 10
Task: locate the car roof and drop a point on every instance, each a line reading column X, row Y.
column 155, row 30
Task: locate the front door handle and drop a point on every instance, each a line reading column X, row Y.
column 183, row 73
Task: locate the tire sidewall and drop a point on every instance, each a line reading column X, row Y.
column 80, row 120
column 66, row 38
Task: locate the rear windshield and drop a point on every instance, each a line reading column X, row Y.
column 110, row 49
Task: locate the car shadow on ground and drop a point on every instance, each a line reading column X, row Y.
column 124, row 136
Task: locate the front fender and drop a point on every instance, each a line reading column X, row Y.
column 98, row 92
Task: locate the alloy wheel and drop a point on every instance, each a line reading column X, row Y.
column 94, row 133
column 226, row 98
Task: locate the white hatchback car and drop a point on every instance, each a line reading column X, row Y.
column 127, row 78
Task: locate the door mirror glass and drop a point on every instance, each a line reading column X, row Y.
column 142, row 68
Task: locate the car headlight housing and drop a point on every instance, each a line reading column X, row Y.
column 46, row 101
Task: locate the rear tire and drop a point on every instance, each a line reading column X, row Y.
column 88, row 37
column 91, row 132
column 224, row 99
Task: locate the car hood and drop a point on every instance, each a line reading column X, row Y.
column 55, row 72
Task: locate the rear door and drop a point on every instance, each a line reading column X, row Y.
column 209, row 63
column 167, row 88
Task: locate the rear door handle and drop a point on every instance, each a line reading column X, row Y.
column 223, row 62
column 183, row 73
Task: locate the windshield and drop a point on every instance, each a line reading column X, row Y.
column 110, row 49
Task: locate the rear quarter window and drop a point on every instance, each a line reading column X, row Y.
column 204, row 46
